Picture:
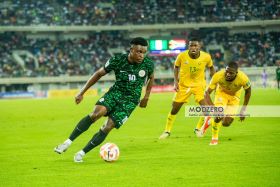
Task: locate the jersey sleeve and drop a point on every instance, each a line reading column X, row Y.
column 214, row 81
column 246, row 82
column 111, row 64
column 151, row 69
column 178, row 60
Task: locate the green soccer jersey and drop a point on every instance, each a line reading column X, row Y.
column 278, row 73
column 130, row 77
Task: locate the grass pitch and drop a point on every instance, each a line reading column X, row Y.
column 248, row 153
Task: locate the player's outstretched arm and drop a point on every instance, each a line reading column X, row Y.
column 247, row 97
column 212, row 71
column 212, row 86
column 91, row 81
column 207, row 96
column 144, row 100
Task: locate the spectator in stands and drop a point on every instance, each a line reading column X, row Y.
column 84, row 56
column 264, row 78
column 278, row 76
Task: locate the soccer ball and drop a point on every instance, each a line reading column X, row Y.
column 109, row 152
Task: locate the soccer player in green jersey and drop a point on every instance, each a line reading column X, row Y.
column 132, row 71
column 278, row 76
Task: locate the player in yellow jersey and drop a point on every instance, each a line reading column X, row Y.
column 189, row 78
column 228, row 84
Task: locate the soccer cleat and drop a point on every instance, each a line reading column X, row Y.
column 198, row 133
column 78, row 157
column 164, row 135
column 214, row 142
column 62, row 147
column 205, row 125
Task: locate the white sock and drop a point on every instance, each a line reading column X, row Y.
column 68, row 141
column 82, row 152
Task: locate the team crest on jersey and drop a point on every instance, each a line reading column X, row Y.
column 186, row 62
column 142, row 73
column 220, row 99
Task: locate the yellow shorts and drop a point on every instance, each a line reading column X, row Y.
column 183, row 95
column 229, row 102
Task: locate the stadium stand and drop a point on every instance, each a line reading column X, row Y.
column 74, row 38
column 84, row 56
column 86, row 12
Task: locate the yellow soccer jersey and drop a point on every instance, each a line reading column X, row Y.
column 231, row 88
column 192, row 71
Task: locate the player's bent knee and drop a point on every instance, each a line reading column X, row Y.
column 227, row 122
column 106, row 129
column 108, row 126
column 217, row 119
column 98, row 112
column 94, row 116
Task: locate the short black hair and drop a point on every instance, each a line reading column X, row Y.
column 139, row 41
column 233, row 64
column 194, row 37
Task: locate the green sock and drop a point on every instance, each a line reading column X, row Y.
column 97, row 139
column 81, row 127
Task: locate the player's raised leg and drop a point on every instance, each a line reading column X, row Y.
column 200, row 122
column 199, row 97
column 206, row 125
column 170, row 119
column 96, row 140
column 81, row 127
column 216, row 124
column 226, row 121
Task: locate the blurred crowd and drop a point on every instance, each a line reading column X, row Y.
column 248, row 49
column 82, row 56
column 56, row 57
column 116, row 12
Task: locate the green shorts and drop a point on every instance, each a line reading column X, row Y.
column 118, row 107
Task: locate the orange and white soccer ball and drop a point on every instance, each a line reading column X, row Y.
column 109, row 152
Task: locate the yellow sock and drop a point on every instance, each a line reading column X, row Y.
column 200, row 122
column 169, row 122
column 215, row 128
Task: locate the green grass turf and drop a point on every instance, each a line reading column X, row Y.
column 248, row 153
